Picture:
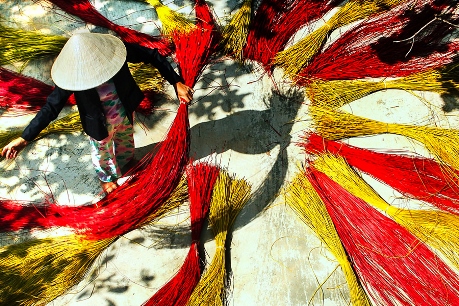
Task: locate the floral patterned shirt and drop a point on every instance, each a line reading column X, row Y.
column 113, row 108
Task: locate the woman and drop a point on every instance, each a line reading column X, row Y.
column 94, row 68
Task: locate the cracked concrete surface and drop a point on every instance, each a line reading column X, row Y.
column 245, row 121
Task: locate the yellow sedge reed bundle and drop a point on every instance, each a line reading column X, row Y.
column 439, row 229
column 234, row 34
column 171, row 21
column 35, row 272
column 443, row 144
column 228, row 198
column 18, row 45
column 304, row 200
column 337, row 93
column 293, row 59
column 147, row 77
column 68, row 124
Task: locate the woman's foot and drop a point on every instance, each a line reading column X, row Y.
column 108, row 187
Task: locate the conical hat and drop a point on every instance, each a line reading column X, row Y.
column 88, row 60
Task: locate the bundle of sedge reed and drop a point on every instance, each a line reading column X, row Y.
column 171, row 21
column 293, row 59
column 414, row 177
column 20, row 215
column 304, row 200
column 201, row 178
column 443, row 144
column 37, row 271
column 17, row 45
column 337, row 93
column 21, row 94
column 393, row 265
column 86, row 11
column 195, row 48
column 65, row 125
column 228, row 199
column 147, row 77
column 407, row 39
column 205, row 18
column 234, row 34
column 275, row 22
column 154, row 179
column 438, row 229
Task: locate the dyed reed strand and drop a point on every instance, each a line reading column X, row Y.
column 201, row 179
column 306, row 203
column 414, row 177
column 438, row 229
column 394, row 266
column 228, row 199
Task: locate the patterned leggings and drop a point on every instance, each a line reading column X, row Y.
column 117, row 148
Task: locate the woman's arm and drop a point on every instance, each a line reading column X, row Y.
column 54, row 104
column 49, row 112
column 137, row 54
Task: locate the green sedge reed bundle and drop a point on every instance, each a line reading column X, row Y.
column 443, row 144
column 293, row 59
column 65, row 125
column 171, row 21
column 304, row 200
column 337, row 93
column 228, row 198
column 439, row 229
column 234, row 34
column 37, row 271
column 17, row 45
column 147, row 77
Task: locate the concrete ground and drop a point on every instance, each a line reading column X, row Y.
column 247, row 122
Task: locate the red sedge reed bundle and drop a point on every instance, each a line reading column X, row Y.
column 22, row 94
column 441, row 143
column 234, row 34
column 438, row 229
column 171, row 21
column 194, row 48
column 84, row 10
column 228, row 199
column 18, row 45
column 394, row 267
column 201, row 179
column 414, row 177
column 205, row 19
column 293, row 59
column 152, row 182
column 275, row 22
column 19, row 215
column 304, row 200
column 408, row 39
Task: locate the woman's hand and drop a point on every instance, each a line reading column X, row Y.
column 12, row 149
column 184, row 93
